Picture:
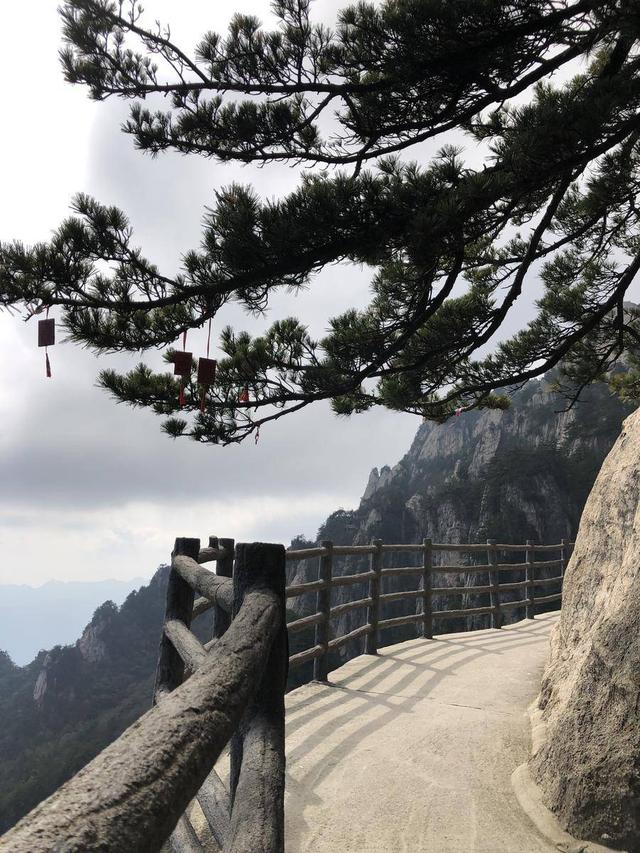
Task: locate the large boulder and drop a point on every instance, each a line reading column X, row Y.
column 588, row 762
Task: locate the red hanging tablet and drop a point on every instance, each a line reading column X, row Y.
column 182, row 363
column 206, row 377
column 47, row 338
column 207, row 371
column 46, row 333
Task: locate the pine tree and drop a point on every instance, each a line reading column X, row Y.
column 546, row 91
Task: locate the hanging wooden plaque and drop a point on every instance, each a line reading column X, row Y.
column 46, row 333
column 182, row 363
column 207, row 371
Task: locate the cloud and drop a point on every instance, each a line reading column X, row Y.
column 127, row 540
column 91, row 489
column 71, row 445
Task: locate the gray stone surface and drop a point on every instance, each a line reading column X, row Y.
column 412, row 750
column 129, row 798
column 588, row 760
column 530, row 801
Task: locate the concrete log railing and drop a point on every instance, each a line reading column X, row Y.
column 136, row 795
column 425, row 592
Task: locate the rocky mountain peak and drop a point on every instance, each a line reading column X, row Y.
column 495, row 473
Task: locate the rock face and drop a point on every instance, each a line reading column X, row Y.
column 515, row 475
column 588, row 764
column 91, row 645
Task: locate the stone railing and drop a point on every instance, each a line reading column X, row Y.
column 136, row 794
column 425, row 573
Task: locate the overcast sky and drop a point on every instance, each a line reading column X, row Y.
column 92, row 490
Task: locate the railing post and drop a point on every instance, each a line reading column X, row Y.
column 563, row 565
column 373, row 609
column 427, row 598
column 563, row 557
column 494, row 582
column 170, row 668
column 224, row 568
column 531, row 576
column 529, row 572
column 323, row 605
column 257, row 749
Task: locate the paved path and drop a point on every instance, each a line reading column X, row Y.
column 413, row 750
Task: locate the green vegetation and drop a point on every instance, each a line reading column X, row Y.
column 545, row 93
column 84, row 704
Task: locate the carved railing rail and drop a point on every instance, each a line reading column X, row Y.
column 139, row 794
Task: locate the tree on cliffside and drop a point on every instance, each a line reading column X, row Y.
column 546, row 91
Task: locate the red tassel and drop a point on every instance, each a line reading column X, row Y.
column 182, row 400
column 47, row 364
column 244, row 395
column 203, row 398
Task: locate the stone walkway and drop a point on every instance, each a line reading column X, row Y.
column 413, row 750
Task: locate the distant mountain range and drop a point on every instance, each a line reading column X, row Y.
column 54, row 614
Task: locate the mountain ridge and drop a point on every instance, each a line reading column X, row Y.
column 56, row 612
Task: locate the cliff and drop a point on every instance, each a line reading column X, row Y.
column 513, row 475
column 519, row 474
